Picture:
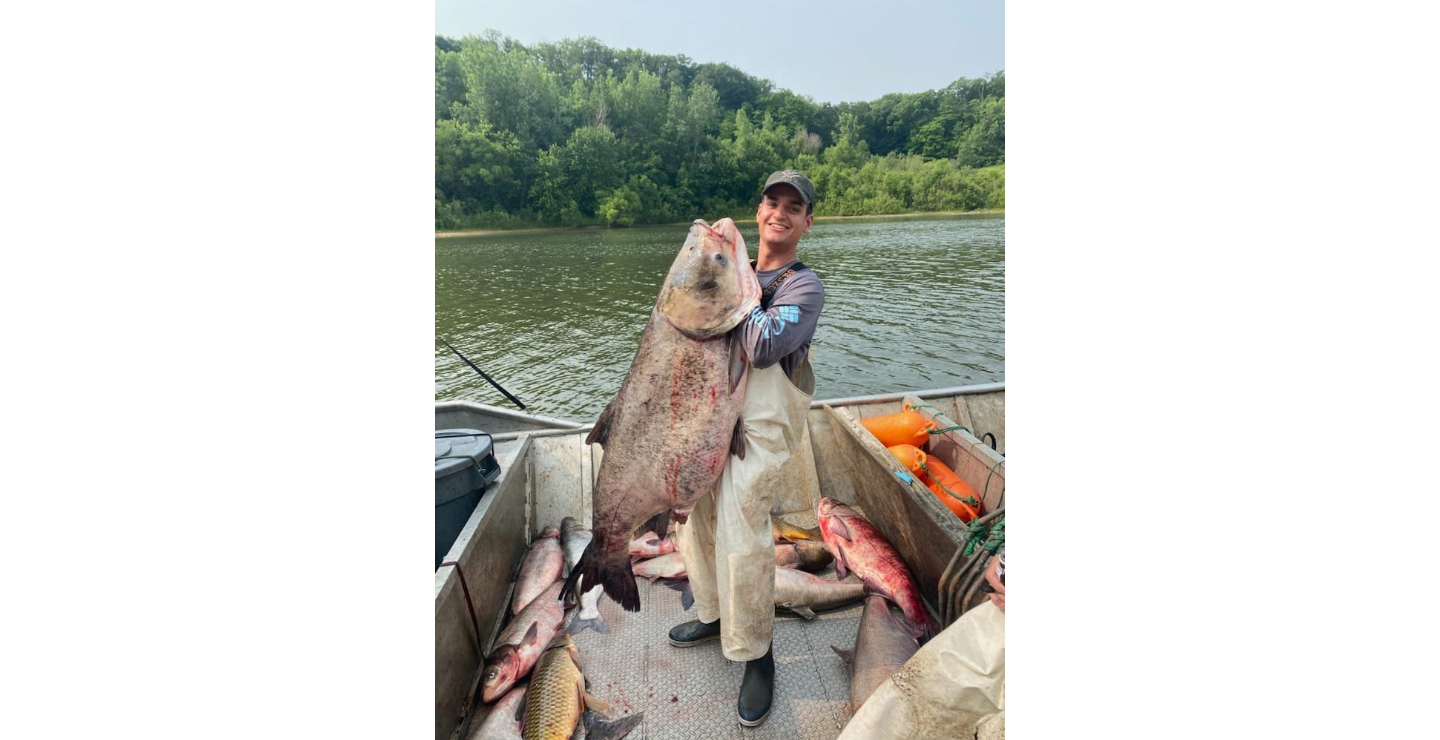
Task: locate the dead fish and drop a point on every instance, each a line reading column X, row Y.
column 676, row 418
column 802, row 592
column 687, row 596
column 792, row 533
column 574, row 536
column 557, row 698
column 882, row 646
column 540, row 567
column 858, row 546
column 649, row 545
column 805, row 555
column 589, row 615
column 503, row 721
column 669, row 565
column 521, row 643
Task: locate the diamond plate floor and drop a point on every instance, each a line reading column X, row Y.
column 691, row 692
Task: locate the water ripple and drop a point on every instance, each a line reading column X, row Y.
column 556, row 317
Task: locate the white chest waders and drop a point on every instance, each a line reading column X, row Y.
column 727, row 542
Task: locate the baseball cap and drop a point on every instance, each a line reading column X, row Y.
column 795, row 179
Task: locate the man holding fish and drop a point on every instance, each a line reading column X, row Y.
column 727, row 541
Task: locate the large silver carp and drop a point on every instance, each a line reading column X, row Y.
column 676, row 419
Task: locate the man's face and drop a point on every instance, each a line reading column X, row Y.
column 782, row 217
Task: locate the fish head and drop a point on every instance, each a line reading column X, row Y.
column 829, row 507
column 500, row 673
column 832, row 515
column 710, row 287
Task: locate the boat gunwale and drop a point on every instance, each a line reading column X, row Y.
column 562, row 426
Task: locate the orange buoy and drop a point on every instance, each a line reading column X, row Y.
column 941, row 478
column 901, row 428
column 912, row 457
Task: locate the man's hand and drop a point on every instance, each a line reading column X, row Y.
column 998, row 597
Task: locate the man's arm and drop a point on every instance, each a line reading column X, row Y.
column 769, row 335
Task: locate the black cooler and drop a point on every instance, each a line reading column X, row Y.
column 464, row 465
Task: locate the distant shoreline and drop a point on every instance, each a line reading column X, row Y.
column 818, row 219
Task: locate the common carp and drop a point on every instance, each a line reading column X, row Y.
column 503, row 721
column 540, row 568
column 802, row 592
column 557, row 696
column 789, row 532
column 804, row 555
column 521, row 643
column 882, row 646
column 676, row 419
column 859, row 547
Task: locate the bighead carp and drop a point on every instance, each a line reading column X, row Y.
column 859, row 547
column 676, row 419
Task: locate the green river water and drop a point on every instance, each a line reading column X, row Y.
column 555, row 317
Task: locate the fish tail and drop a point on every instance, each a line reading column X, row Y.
column 598, row 729
column 598, row 624
column 614, row 575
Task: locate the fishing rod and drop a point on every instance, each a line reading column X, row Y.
column 483, row 375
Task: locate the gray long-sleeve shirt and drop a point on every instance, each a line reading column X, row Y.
column 781, row 330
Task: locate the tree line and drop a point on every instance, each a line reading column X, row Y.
column 574, row 132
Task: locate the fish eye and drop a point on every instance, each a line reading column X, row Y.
column 719, row 257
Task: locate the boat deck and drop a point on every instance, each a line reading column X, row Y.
column 691, row 692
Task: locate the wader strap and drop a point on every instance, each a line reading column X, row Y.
column 768, row 293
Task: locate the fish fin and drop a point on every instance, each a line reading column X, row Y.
column 598, row 729
column 840, row 569
column 845, row 655
column 520, row 705
column 532, row 635
column 783, row 540
column 804, row 611
column 738, row 362
column 594, row 702
column 598, row 624
column 737, row 439
column 601, row 431
column 687, row 596
column 873, row 586
column 617, row 577
column 840, row 529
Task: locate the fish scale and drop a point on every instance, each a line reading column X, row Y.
column 552, row 708
column 669, row 429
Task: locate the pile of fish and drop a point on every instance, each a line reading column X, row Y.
column 554, row 704
column 550, row 706
column 653, row 557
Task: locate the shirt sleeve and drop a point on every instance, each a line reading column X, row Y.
column 771, row 334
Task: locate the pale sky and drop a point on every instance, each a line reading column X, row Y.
column 831, row 51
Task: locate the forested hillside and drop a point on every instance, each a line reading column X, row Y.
column 575, row 132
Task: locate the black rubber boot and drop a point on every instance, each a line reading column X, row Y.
column 694, row 632
column 757, row 689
